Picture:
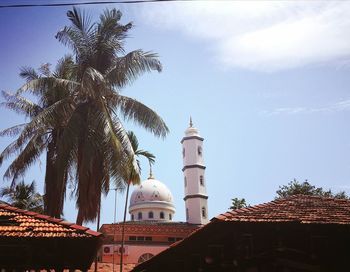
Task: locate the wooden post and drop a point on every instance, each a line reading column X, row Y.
column 97, row 228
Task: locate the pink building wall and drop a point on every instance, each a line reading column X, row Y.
column 133, row 253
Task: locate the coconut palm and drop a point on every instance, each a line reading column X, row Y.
column 42, row 133
column 23, row 196
column 133, row 178
column 92, row 146
column 97, row 143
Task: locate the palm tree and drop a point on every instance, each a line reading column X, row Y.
column 92, row 146
column 132, row 179
column 100, row 149
column 43, row 131
column 23, row 196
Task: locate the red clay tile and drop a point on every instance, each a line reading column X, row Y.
column 300, row 208
column 10, row 208
column 31, row 224
column 93, row 233
column 78, row 227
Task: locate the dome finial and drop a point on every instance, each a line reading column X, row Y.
column 150, row 172
column 191, row 123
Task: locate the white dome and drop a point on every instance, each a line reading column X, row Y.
column 151, row 196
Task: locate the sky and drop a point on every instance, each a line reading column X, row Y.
column 266, row 83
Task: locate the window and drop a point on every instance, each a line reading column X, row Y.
column 187, row 214
column 150, row 215
column 185, row 182
column 139, row 216
column 132, row 217
column 170, row 216
column 201, row 180
column 161, row 215
column 171, row 239
column 140, row 238
column 204, row 213
column 183, row 152
column 199, row 149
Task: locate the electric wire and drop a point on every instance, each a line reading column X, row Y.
column 97, row 3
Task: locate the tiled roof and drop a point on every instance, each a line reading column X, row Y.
column 15, row 222
column 299, row 208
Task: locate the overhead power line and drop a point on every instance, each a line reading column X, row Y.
column 94, row 3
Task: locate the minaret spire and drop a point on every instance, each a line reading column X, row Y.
column 191, row 123
column 150, row 172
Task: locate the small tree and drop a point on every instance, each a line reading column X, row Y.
column 238, row 203
column 23, row 196
column 305, row 188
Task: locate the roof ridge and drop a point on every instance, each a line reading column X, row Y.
column 312, row 196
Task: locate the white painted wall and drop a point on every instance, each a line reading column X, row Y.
column 193, row 187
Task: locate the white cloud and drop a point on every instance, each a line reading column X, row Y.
column 262, row 35
column 343, row 105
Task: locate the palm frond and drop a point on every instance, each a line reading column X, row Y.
column 129, row 67
column 40, row 85
column 20, row 104
column 65, row 68
column 28, row 73
column 91, row 81
column 13, row 131
column 80, row 20
column 133, row 140
column 149, row 156
column 80, row 35
column 25, row 159
column 45, row 69
column 39, row 125
column 6, row 191
column 110, row 36
column 23, row 196
column 13, row 148
column 132, row 109
column 51, row 117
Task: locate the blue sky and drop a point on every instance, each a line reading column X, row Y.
column 267, row 84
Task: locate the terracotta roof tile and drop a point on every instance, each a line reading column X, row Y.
column 92, row 232
column 20, row 223
column 300, row 208
column 78, row 227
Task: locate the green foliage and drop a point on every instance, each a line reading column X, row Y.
column 23, row 196
column 238, row 203
column 305, row 188
column 77, row 120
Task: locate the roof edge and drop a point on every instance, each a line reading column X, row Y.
column 51, row 219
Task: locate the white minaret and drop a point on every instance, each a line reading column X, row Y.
column 196, row 199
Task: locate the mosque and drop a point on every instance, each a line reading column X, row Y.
column 151, row 228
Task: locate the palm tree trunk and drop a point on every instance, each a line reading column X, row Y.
column 123, row 227
column 80, row 218
column 50, row 184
